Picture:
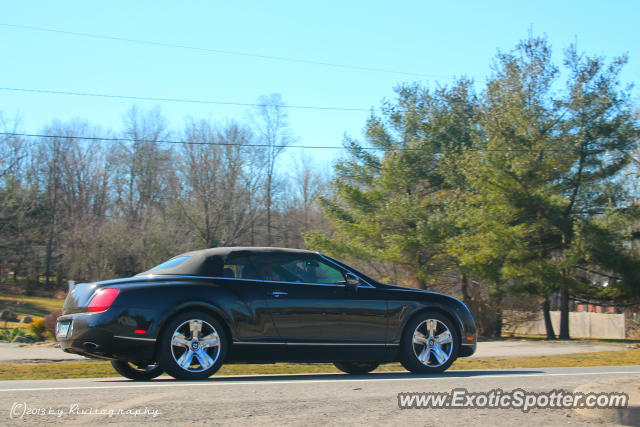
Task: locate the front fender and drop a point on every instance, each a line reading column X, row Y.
column 405, row 304
column 419, row 308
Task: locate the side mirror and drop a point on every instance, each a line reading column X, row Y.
column 352, row 281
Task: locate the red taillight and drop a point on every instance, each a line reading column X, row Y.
column 103, row 299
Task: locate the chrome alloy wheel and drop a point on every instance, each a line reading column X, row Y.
column 195, row 345
column 432, row 343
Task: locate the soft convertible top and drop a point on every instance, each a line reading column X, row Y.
column 210, row 262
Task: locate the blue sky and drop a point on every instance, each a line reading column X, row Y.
column 439, row 39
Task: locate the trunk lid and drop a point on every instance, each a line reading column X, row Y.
column 79, row 295
column 78, row 298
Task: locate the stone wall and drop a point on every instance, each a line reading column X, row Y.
column 581, row 325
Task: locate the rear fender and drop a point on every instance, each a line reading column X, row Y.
column 199, row 306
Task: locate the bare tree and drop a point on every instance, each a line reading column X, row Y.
column 86, row 209
column 309, row 183
column 13, row 148
column 15, row 200
column 221, row 188
column 275, row 135
column 48, row 164
column 145, row 163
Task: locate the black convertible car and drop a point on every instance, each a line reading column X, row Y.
column 196, row 311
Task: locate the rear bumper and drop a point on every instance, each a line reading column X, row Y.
column 109, row 335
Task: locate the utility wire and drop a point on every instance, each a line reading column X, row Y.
column 222, row 51
column 235, row 144
column 164, row 141
column 188, row 101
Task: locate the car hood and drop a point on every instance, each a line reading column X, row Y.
column 422, row 292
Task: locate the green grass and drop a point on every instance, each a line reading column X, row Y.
column 100, row 369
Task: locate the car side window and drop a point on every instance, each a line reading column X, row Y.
column 296, row 269
column 327, row 274
column 240, row 268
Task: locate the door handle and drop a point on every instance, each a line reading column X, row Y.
column 278, row 293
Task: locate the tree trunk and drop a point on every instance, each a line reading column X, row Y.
column 52, row 231
column 496, row 305
column 546, row 310
column 269, row 210
column 49, row 250
column 564, row 312
column 497, row 332
column 59, row 277
column 464, row 284
column 16, row 269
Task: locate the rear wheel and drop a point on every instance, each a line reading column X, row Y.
column 356, row 368
column 192, row 346
column 430, row 344
column 136, row 372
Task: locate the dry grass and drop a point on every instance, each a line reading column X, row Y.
column 98, row 369
column 30, row 306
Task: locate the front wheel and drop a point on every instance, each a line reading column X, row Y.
column 136, row 372
column 429, row 344
column 192, row 346
column 356, row 368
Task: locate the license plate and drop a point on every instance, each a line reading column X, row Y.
column 62, row 329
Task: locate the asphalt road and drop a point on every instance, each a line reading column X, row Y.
column 329, row 399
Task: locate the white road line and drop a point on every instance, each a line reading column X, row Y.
column 226, row 383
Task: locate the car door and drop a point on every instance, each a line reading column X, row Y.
column 310, row 302
column 250, row 311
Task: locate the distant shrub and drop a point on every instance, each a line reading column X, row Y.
column 38, row 329
column 8, row 316
column 50, row 321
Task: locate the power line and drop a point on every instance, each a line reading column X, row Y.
column 181, row 100
column 162, row 141
column 235, row 144
column 223, row 51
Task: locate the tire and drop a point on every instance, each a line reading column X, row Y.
column 356, row 368
column 133, row 372
column 425, row 347
column 186, row 358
